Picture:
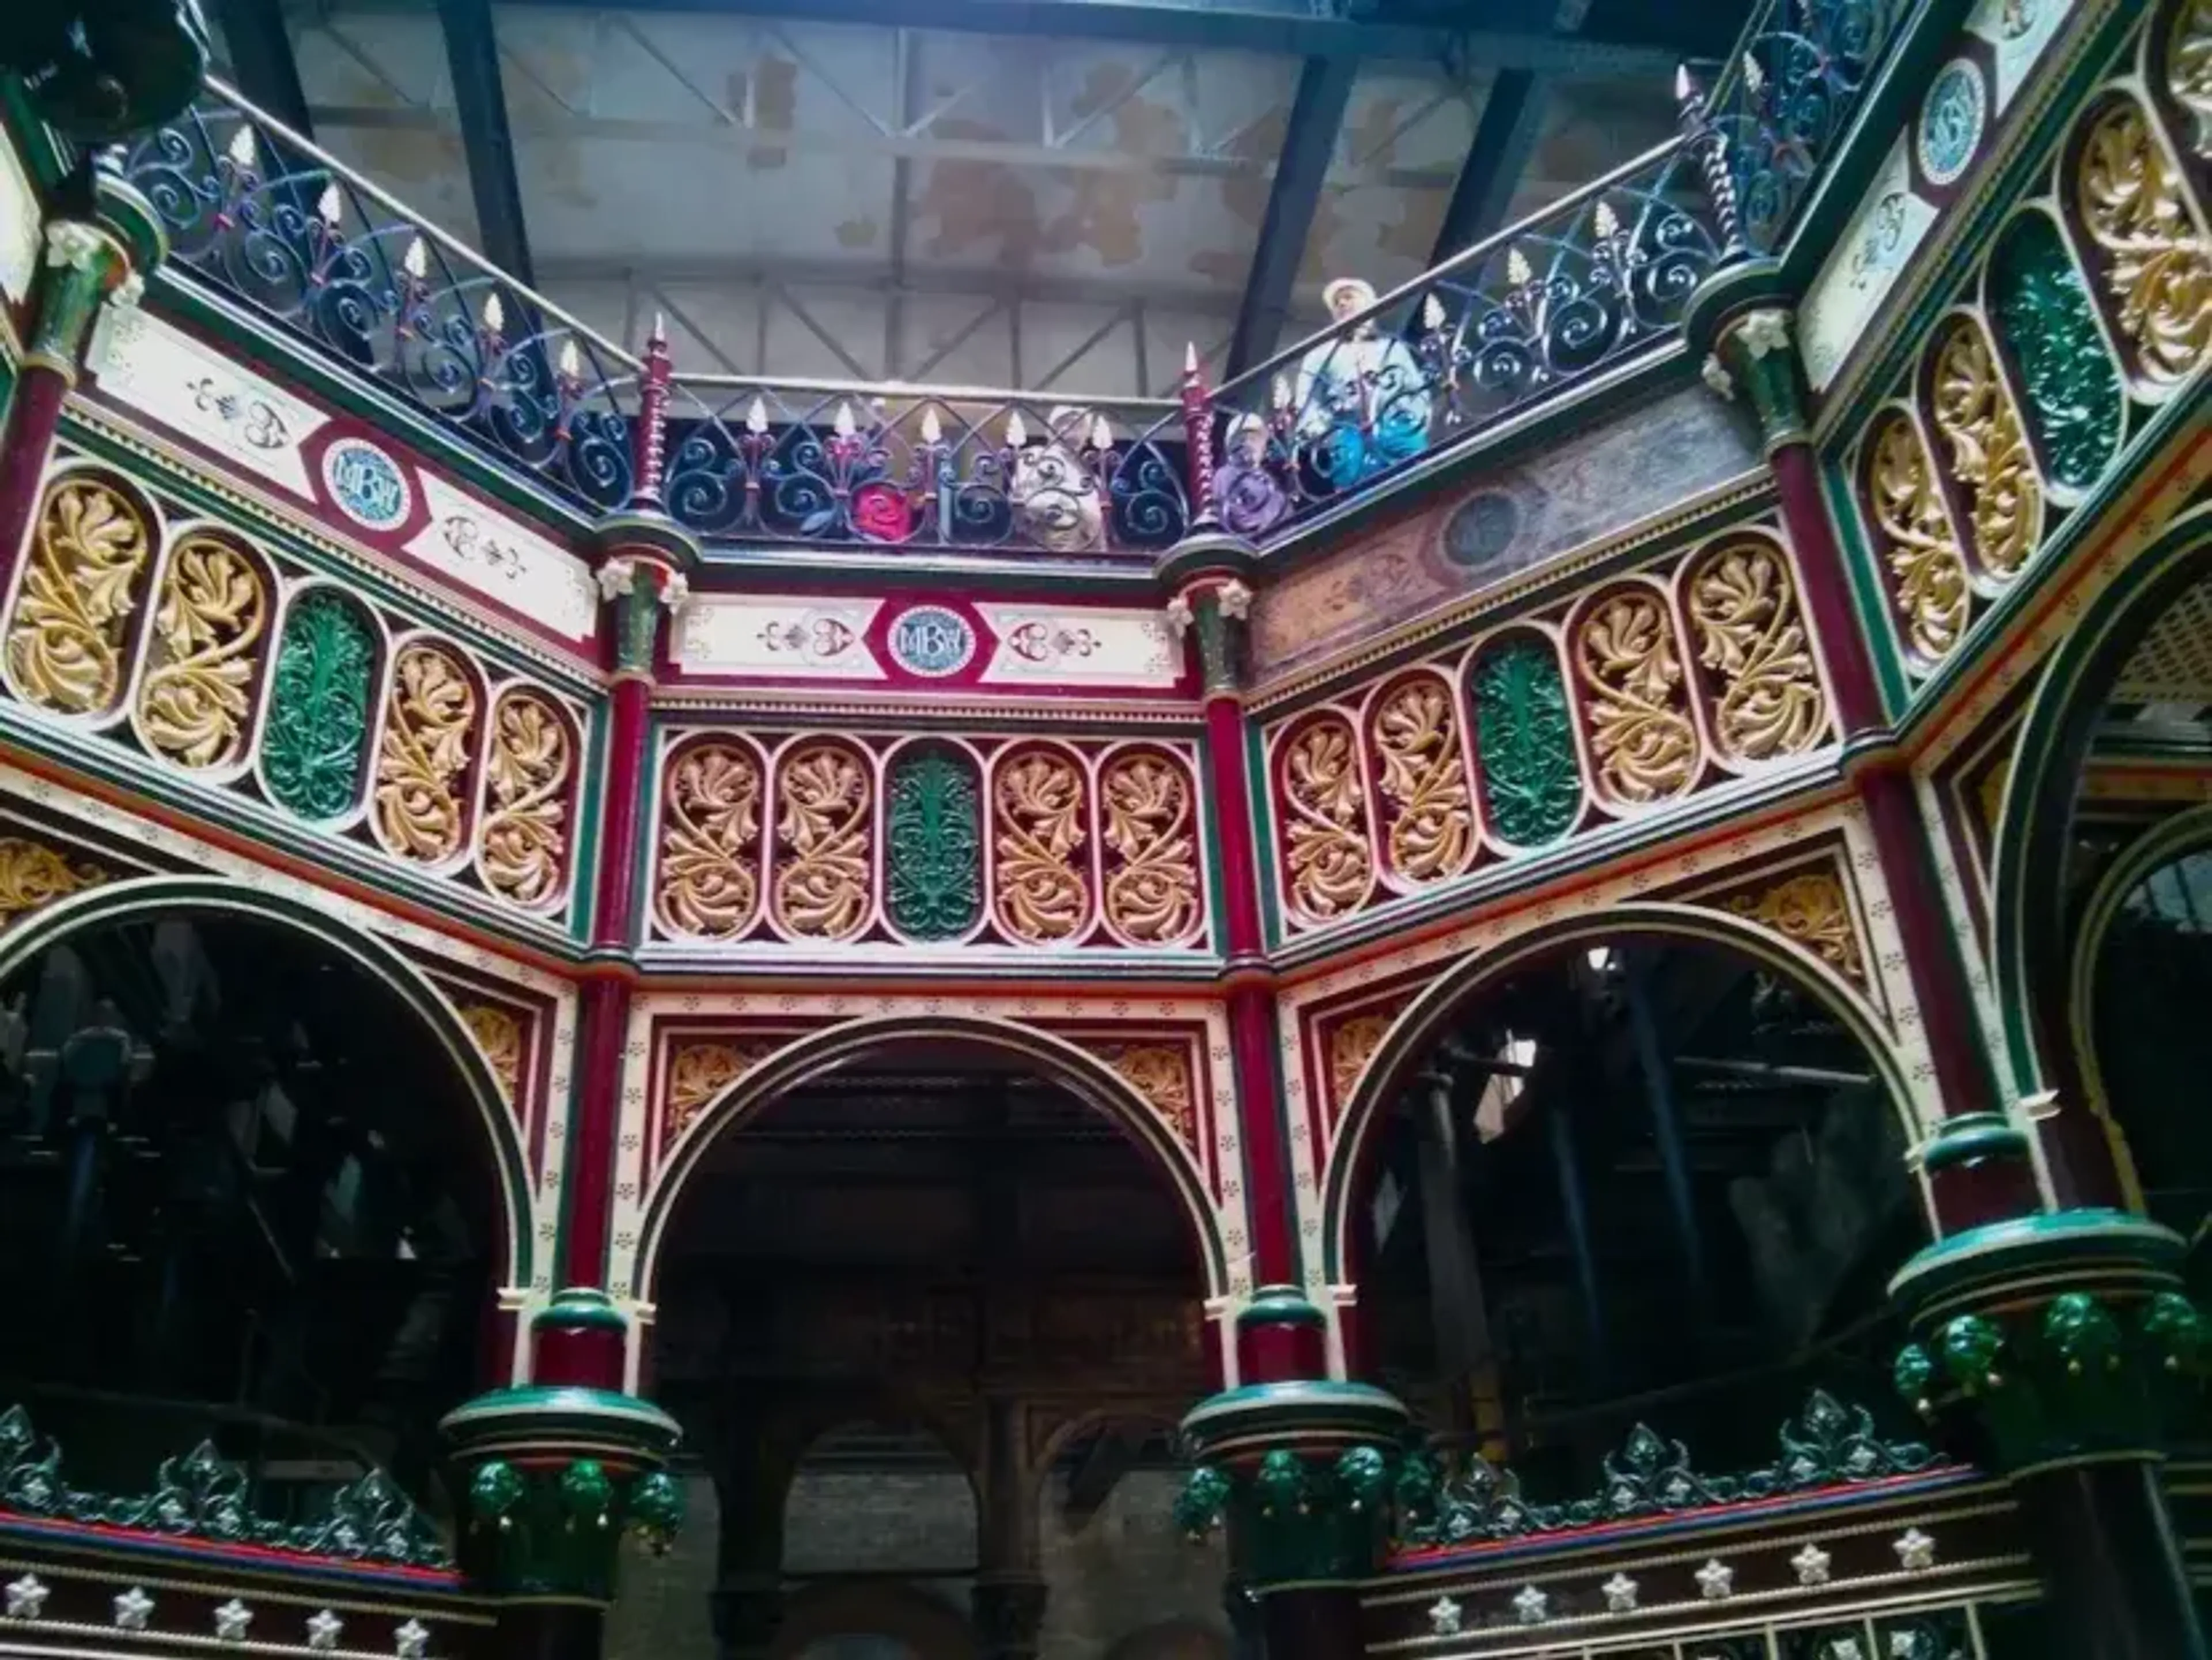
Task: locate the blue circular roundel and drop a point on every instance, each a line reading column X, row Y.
column 932, row 641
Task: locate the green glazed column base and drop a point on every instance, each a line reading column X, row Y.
column 2054, row 1340
column 553, row 1477
column 1302, row 1475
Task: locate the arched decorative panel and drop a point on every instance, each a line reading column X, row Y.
column 316, row 740
column 2141, row 244
column 425, row 756
column 932, row 842
column 824, row 882
column 2051, row 338
column 1991, row 475
column 1328, row 842
column 1765, row 700
column 1633, row 697
column 1041, row 844
column 201, row 673
column 707, row 885
column 1148, row 847
column 1924, row 566
column 1422, row 800
column 529, row 787
column 82, row 595
column 1531, row 776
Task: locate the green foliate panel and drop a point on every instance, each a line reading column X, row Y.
column 934, row 848
column 2072, row 386
column 1532, row 785
column 318, row 708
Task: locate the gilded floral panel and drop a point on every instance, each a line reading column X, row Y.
column 71, row 630
column 1041, row 844
column 529, row 783
column 824, row 882
column 427, row 755
column 1924, row 569
column 1632, row 690
column 1764, row 700
column 196, row 692
column 708, row 882
column 1423, row 798
column 1327, row 838
column 1148, row 846
column 2142, row 240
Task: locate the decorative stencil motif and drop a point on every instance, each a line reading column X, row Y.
column 523, row 850
column 1151, row 889
column 1161, row 1073
column 824, row 858
column 1428, row 812
column 82, row 586
column 1351, row 1044
column 1743, row 609
column 1636, row 706
column 1810, row 910
column 1531, row 782
column 196, row 700
column 1041, row 838
column 1952, row 119
column 933, row 844
column 499, row 1034
column 366, row 484
column 422, row 765
column 318, row 708
column 700, row 1072
column 1328, row 853
column 33, row 875
column 709, row 880
column 932, row 641
column 1927, row 571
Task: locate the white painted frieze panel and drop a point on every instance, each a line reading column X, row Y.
column 506, row 562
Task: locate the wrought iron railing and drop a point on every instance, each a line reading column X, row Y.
column 1583, row 288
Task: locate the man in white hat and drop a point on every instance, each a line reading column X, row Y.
column 1362, row 402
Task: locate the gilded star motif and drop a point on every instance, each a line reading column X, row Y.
column 1812, row 1566
column 231, row 1621
column 1444, row 1619
column 1915, row 1550
column 411, row 1641
column 323, row 1632
column 1532, row 1606
column 1716, row 1580
column 1619, row 1594
column 26, row 1598
column 133, row 1609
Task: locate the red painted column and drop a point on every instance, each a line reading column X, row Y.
column 84, row 264
column 643, row 563
column 1978, row 1171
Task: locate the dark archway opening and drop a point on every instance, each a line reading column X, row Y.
column 1643, row 1180
column 246, row 1195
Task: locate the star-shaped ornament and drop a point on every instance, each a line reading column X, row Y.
column 1716, row 1580
column 133, row 1608
column 26, row 1598
column 1444, row 1620
column 1619, row 1594
column 1532, row 1606
column 411, row 1641
column 1915, row 1550
column 323, row 1632
column 231, row 1621
column 1812, row 1566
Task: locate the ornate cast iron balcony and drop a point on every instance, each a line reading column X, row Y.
column 1588, row 287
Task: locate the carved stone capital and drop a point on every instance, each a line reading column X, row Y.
column 1220, row 609
column 1754, row 352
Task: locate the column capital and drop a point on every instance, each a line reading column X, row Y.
column 644, row 565
column 86, row 262
column 1218, row 606
column 1753, row 355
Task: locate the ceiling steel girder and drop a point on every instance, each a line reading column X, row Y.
column 261, row 61
column 1514, row 34
column 1505, row 135
column 480, row 102
column 1301, row 172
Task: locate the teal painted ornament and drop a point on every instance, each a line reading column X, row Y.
column 1970, row 1346
column 2082, row 1331
column 656, row 1508
column 1204, row 1498
column 2073, row 390
column 311, row 754
column 934, row 846
column 1365, row 1476
column 586, row 1493
column 1281, row 1484
column 1952, row 121
column 2175, row 1331
column 494, row 1491
column 1524, row 738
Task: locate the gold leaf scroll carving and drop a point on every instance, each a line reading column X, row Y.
column 1037, row 888
column 697, row 1075
column 709, row 876
column 1423, row 780
column 422, row 764
column 72, row 616
column 1744, row 609
column 33, row 875
column 1990, row 458
column 499, row 1034
column 2155, row 268
column 525, row 838
column 2189, row 69
column 1352, row 1045
column 1810, row 910
column 1161, row 1073
column 1152, row 894
column 1330, row 859
column 208, row 624
column 1640, row 733
column 824, row 798
column 1927, row 572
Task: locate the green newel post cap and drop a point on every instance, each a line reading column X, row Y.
column 2054, row 1339
column 580, row 1308
column 555, row 1476
column 1279, row 1306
